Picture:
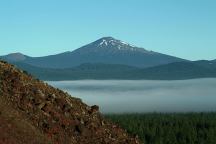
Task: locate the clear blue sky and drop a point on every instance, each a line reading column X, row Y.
column 183, row 28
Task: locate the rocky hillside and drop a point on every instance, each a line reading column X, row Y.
column 31, row 111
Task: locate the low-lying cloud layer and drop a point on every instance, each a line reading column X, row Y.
column 119, row 96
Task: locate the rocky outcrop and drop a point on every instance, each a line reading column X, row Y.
column 31, row 111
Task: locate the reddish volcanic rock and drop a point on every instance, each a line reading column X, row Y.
column 31, row 111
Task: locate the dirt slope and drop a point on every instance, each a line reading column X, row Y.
column 33, row 112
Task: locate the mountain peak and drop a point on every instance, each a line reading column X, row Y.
column 16, row 54
column 15, row 57
column 115, row 44
column 108, row 38
column 110, row 41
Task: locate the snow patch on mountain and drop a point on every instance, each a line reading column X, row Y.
column 104, row 42
column 109, row 42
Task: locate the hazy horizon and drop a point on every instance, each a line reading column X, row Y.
column 77, row 48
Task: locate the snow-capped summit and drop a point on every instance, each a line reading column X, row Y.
column 115, row 44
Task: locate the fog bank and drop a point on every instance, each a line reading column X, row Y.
column 119, row 96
